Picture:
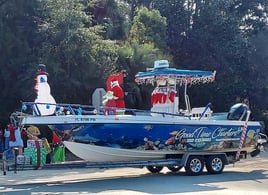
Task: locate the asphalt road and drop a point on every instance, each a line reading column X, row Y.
column 247, row 177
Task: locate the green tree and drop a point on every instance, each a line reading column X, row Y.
column 136, row 4
column 146, row 43
column 113, row 15
column 78, row 57
column 149, row 27
column 18, row 47
column 209, row 35
column 257, row 76
column 82, row 42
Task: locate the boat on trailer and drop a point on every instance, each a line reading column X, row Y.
column 164, row 132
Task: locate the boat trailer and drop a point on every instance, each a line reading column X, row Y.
column 193, row 162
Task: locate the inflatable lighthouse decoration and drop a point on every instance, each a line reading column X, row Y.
column 45, row 103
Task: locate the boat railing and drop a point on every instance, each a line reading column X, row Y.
column 80, row 109
column 138, row 112
column 61, row 109
column 199, row 113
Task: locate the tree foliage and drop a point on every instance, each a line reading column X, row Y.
column 211, row 35
column 83, row 41
column 149, row 27
column 17, row 52
column 74, row 48
column 113, row 15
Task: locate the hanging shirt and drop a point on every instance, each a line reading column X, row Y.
column 11, row 129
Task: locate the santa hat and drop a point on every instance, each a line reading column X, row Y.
column 114, row 83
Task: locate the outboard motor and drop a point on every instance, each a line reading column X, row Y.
column 238, row 112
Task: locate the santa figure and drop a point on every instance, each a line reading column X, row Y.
column 118, row 94
column 45, row 103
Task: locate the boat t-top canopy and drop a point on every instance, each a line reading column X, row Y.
column 162, row 72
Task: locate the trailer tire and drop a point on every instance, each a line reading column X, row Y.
column 215, row 164
column 154, row 169
column 174, row 168
column 194, row 165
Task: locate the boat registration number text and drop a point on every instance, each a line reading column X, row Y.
column 84, row 119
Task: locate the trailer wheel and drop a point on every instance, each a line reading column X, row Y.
column 214, row 164
column 194, row 165
column 174, row 168
column 154, row 169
